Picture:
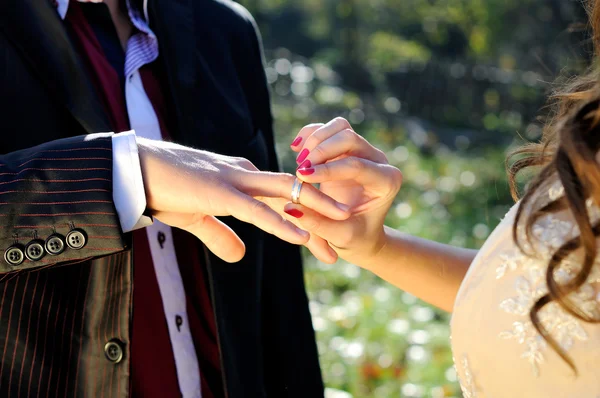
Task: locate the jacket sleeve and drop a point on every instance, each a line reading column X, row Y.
column 56, row 204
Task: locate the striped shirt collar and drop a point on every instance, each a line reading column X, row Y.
column 142, row 47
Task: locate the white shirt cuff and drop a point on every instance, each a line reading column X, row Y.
column 128, row 185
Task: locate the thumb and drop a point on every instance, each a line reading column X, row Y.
column 218, row 237
column 338, row 233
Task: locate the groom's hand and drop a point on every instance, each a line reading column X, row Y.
column 187, row 188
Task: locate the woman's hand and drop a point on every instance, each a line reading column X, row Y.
column 353, row 172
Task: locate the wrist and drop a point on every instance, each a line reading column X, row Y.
column 147, row 154
column 377, row 250
column 365, row 255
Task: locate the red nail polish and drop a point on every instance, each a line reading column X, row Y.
column 294, row 213
column 297, row 141
column 305, row 165
column 302, row 156
column 306, row 172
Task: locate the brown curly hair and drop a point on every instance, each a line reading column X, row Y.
column 567, row 153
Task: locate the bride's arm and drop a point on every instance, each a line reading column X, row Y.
column 354, row 172
column 429, row 270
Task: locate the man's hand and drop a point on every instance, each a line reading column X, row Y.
column 187, row 188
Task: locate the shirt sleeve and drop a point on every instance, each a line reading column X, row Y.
column 128, row 185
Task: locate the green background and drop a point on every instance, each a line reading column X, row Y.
column 445, row 88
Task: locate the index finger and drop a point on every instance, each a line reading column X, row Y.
column 304, row 133
column 252, row 211
column 279, row 185
column 319, row 135
column 216, row 236
column 365, row 172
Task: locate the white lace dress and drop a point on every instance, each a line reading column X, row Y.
column 497, row 351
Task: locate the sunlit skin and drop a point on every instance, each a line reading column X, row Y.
column 352, row 171
column 188, row 188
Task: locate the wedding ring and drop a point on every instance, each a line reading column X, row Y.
column 296, row 188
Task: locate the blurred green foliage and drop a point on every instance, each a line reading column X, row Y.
column 444, row 87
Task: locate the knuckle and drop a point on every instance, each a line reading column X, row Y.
column 281, row 225
column 196, row 222
column 396, row 178
column 309, row 127
column 319, row 152
column 349, row 135
column 287, row 178
column 342, row 122
column 323, row 198
column 356, row 163
column 273, row 227
column 244, row 163
column 381, row 156
column 258, row 207
column 198, row 219
column 345, row 239
column 248, row 165
column 287, row 181
column 312, row 225
column 311, row 142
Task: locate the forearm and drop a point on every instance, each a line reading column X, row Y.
column 431, row 271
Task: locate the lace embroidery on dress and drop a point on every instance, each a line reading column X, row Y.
column 467, row 383
column 550, row 232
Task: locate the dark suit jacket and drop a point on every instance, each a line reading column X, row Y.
column 58, row 313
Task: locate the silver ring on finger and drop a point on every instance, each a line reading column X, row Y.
column 296, row 188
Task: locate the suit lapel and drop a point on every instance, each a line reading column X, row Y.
column 36, row 30
column 173, row 23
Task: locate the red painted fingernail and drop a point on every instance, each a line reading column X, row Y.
column 305, row 165
column 302, row 156
column 294, row 213
column 306, row 172
column 297, row 141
